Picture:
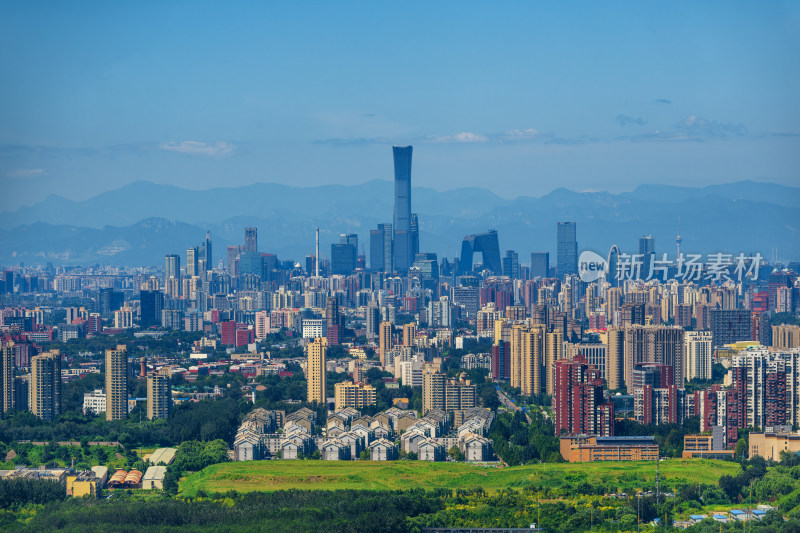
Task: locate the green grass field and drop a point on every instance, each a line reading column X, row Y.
column 397, row 475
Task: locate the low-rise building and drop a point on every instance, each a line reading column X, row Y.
column 770, row 445
column 154, row 477
column 585, row 448
column 383, row 450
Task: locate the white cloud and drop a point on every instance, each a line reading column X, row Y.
column 529, row 133
column 219, row 149
column 463, row 137
column 24, row 173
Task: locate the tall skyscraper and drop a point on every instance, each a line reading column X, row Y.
column 381, row 251
column 117, row 383
column 414, row 235
column 152, row 303
column 511, row 264
column 647, row 248
column 316, row 370
column 192, row 257
column 172, row 267
column 6, row 376
column 402, row 207
column 251, row 239
column 540, row 265
column 433, row 391
column 613, row 266
column 44, row 393
column 208, row 255
column 567, row 257
column 159, row 396
column 343, row 255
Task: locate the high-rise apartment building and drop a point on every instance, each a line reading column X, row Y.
column 316, row 371
column 654, row 344
column 785, row 336
column 578, row 402
column 615, row 357
column 409, row 333
column 699, row 355
column 117, row 383
column 6, row 376
column 159, row 396
column 356, row 395
column 448, row 395
column 567, row 257
column 384, row 340
column 44, row 392
column 333, row 319
column 402, row 208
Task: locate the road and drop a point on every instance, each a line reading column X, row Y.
column 508, row 403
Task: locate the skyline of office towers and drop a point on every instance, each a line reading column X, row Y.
column 402, row 207
column 250, row 239
column 44, row 392
column 647, row 249
column 316, row 371
column 567, row 249
column 116, row 374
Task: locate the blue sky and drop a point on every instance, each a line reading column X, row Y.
column 517, row 97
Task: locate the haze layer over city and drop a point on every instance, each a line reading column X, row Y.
column 404, row 267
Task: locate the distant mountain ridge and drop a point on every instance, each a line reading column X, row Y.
column 142, row 221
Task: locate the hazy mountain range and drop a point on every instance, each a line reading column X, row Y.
column 141, row 222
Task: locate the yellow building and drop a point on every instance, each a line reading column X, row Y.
column 83, row 484
column 785, row 336
column 409, row 333
column 384, row 340
column 770, row 445
column 316, row 370
column 117, row 383
column 355, row 395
